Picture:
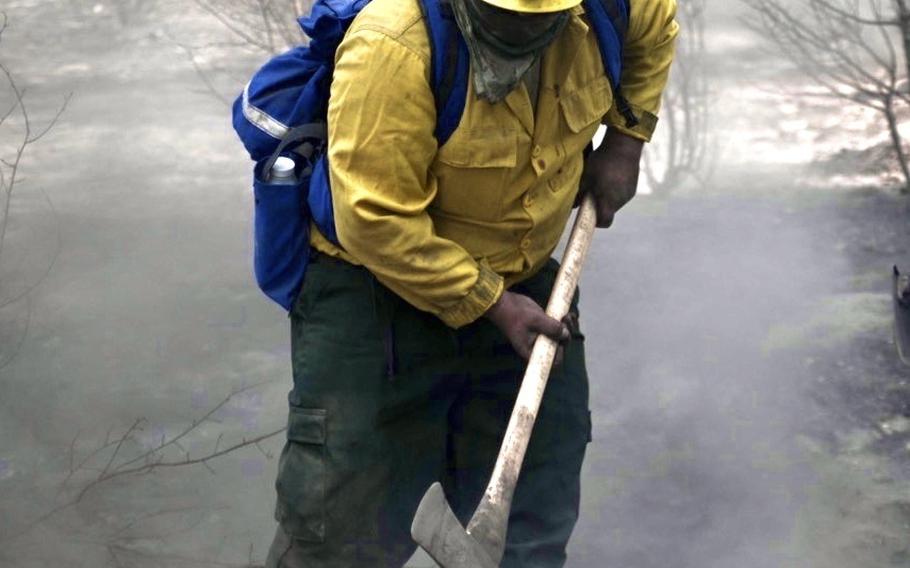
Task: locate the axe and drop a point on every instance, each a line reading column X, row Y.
column 435, row 527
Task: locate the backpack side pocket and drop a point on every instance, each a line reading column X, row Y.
column 281, row 236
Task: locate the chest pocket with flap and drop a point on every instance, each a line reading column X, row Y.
column 472, row 169
column 587, row 105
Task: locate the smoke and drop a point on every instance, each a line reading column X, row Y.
column 739, row 351
column 724, row 327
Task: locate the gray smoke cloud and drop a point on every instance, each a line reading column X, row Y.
column 746, row 404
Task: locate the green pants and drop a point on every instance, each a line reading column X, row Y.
column 387, row 399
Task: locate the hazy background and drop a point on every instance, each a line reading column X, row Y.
column 749, row 410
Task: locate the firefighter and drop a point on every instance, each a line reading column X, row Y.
column 410, row 339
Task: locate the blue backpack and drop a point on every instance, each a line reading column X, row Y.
column 282, row 112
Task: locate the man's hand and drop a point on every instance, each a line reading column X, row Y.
column 611, row 174
column 521, row 320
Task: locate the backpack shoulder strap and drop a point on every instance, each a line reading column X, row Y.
column 450, row 61
column 449, row 67
column 610, row 20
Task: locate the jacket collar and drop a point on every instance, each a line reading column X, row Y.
column 557, row 63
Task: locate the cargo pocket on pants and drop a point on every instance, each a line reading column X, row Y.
column 301, row 481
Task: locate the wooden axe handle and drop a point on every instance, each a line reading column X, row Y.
column 490, row 520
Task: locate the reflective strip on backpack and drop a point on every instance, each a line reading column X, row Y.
column 260, row 119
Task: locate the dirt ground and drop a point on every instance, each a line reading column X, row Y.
column 749, row 409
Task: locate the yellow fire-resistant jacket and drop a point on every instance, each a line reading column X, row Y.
column 449, row 228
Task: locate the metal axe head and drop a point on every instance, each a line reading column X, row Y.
column 437, row 530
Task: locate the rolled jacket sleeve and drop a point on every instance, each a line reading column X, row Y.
column 381, row 119
column 649, row 49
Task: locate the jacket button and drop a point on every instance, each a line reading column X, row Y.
column 536, row 151
column 525, row 244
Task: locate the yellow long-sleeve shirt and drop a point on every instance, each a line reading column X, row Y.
column 449, row 228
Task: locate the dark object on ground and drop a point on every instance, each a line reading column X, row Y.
column 902, row 315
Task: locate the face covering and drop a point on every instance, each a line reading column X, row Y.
column 503, row 44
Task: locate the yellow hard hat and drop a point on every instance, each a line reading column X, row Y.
column 534, row 6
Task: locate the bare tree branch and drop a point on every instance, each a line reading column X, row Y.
column 148, row 461
column 264, row 27
column 852, row 17
column 20, row 150
column 6, row 361
column 827, row 41
column 203, row 74
column 684, row 146
column 50, row 265
column 53, row 121
column 10, row 178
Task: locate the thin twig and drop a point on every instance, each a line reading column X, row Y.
column 50, row 265
column 53, row 122
column 151, row 460
column 15, row 353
